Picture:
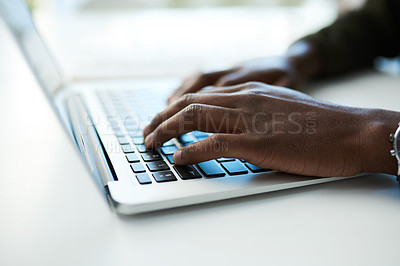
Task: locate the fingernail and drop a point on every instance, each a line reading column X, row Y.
column 177, row 158
column 149, row 139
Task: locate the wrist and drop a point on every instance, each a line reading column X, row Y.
column 377, row 157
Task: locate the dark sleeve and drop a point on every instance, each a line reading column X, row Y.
column 357, row 38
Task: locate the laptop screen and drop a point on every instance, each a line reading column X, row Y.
column 19, row 19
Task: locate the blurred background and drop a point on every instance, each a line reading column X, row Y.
column 137, row 4
column 127, row 38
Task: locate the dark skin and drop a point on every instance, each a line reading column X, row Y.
column 301, row 62
column 273, row 126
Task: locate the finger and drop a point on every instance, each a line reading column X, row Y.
column 268, row 90
column 213, row 147
column 235, row 78
column 225, row 89
column 197, row 82
column 284, row 81
column 200, row 117
column 283, row 93
column 222, row 100
column 289, row 82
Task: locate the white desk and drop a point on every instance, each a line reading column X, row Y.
column 52, row 214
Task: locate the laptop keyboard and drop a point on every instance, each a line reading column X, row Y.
column 129, row 111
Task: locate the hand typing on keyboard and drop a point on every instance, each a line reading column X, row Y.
column 277, row 128
column 278, row 70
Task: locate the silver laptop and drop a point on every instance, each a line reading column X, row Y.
column 105, row 120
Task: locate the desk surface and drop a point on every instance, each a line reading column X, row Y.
column 52, row 213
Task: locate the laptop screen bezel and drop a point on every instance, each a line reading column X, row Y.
column 19, row 20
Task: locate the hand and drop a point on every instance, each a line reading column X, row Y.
column 301, row 62
column 280, row 129
column 274, row 70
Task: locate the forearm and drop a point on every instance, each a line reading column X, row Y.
column 353, row 41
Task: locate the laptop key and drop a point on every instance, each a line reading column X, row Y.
column 187, row 138
column 143, row 178
column 157, row 166
column 169, row 150
column 132, row 157
column 138, row 167
column 123, row 140
column 187, row 143
column 135, row 133
column 138, row 140
column 211, row 169
column 132, row 127
column 170, row 160
column 141, row 148
column 187, row 171
column 119, row 133
column 221, row 160
column 164, row 176
column 127, row 148
column 255, row 169
column 234, row 168
column 169, row 143
column 200, row 134
column 151, row 156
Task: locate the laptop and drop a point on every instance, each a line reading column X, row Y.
column 104, row 120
